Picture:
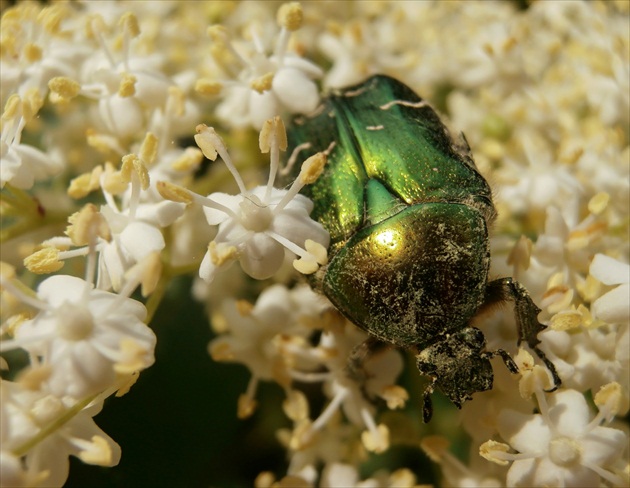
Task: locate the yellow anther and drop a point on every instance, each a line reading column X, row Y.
column 272, row 131
column 133, row 164
column 148, row 150
column 12, row 107
column 218, row 33
column 492, row 451
column 221, row 253
column 189, row 159
column 32, row 52
column 598, row 203
column 262, row 83
column 95, row 26
column 83, row 184
column 174, row 193
column 44, row 261
column 290, row 16
column 64, row 88
column 206, row 138
column 113, row 182
column 51, row 18
column 312, row 168
column 176, row 100
column 87, row 224
column 127, row 87
column 207, row 87
column 129, row 23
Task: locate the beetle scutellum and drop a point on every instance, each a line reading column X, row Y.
column 408, row 215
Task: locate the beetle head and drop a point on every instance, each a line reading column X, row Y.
column 458, row 365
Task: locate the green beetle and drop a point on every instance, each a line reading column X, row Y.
column 408, row 215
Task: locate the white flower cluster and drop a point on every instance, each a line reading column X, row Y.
column 101, row 102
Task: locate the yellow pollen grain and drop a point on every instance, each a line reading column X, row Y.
column 224, row 57
column 12, row 107
column 262, row 83
column 127, row 87
column 312, row 168
column 133, row 355
column 64, row 87
column 318, row 251
column 295, row 405
column 99, row 453
column 129, row 22
column 32, row 52
column 177, row 100
column 86, row 224
column 246, row 407
column 207, row 87
column 395, row 396
column 188, row 160
column 148, row 150
column 272, row 129
column 94, row 26
column 152, row 271
column 609, row 396
column 244, row 308
column 101, row 142
column 83, row 184
column 113, row 182
column 376, row 441
column 221, row 254
column 51, row 18
column 566, row 320
column 173, row 192
column 202, row 138
column 221, row 351
column 489, row 450
column 7, row 271
column 598, row 203
column 290, row 16
column 31, row 103
column 305, row 265
column 217, row 33
column 44, row 261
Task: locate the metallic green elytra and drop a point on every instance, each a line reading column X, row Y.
column 408, row 215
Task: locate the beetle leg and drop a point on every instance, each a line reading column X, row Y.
column 427, row 405
column 507, row 359
column 526, row 314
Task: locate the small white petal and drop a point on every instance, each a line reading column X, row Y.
column 614, row 306
column 262, row 256
column 295, row 90
column 609, row 271
column 139, row 239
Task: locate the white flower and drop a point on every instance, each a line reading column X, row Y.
column 257, row 226
column 264, row 86
column 22, row 164
column 37, row 49
column 85, row 336
column 561, row 446
column 257, row 335
column 26, row 414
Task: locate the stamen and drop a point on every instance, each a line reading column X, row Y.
column 210, row 144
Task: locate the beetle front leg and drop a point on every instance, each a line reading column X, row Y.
column 507, row 359
column 427, row 404
column 526, row 314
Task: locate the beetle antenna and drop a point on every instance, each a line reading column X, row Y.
column 289, row 166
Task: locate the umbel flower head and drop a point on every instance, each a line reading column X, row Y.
column 256, row 226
